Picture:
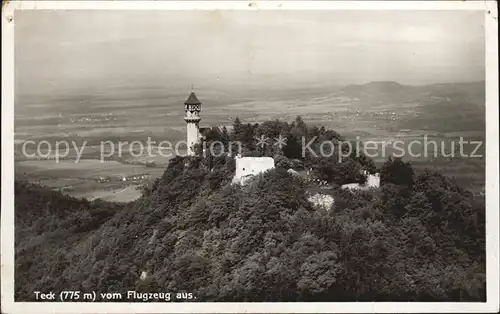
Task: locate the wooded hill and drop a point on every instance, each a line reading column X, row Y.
column 420, row 237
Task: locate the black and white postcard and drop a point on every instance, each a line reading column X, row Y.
column 249, row 157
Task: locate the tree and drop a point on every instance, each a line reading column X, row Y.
column 319, row 273
column 396, row 171
column 282, row 162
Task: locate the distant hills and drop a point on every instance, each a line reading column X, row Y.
column 473, row 92
column 375, row 88
column 162, row 105
column 392, row 86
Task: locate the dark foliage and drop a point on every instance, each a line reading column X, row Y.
column 412, row 240
column 396, row 171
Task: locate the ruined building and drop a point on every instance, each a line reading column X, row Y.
column 246, row 167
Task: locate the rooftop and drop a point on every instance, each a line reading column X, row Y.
column 192, row 100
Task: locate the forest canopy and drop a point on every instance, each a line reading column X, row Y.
column 419, row 237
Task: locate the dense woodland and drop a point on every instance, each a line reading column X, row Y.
column 419, row 237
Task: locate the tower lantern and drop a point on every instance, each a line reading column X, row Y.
column 192, row 107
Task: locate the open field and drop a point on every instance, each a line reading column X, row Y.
column 89, row 178
column 85, row 169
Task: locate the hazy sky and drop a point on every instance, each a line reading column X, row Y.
column 57, row 50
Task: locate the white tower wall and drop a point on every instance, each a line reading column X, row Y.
column 193, row 135
column 192, row 107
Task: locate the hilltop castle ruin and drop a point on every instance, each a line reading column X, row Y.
column 246, row 167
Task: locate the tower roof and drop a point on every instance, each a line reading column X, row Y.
column 192, row 100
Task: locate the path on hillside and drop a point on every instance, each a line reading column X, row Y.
column 113, row 193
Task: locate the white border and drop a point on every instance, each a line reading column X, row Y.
column 492, row 163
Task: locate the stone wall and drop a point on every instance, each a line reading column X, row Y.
column 247, row 167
